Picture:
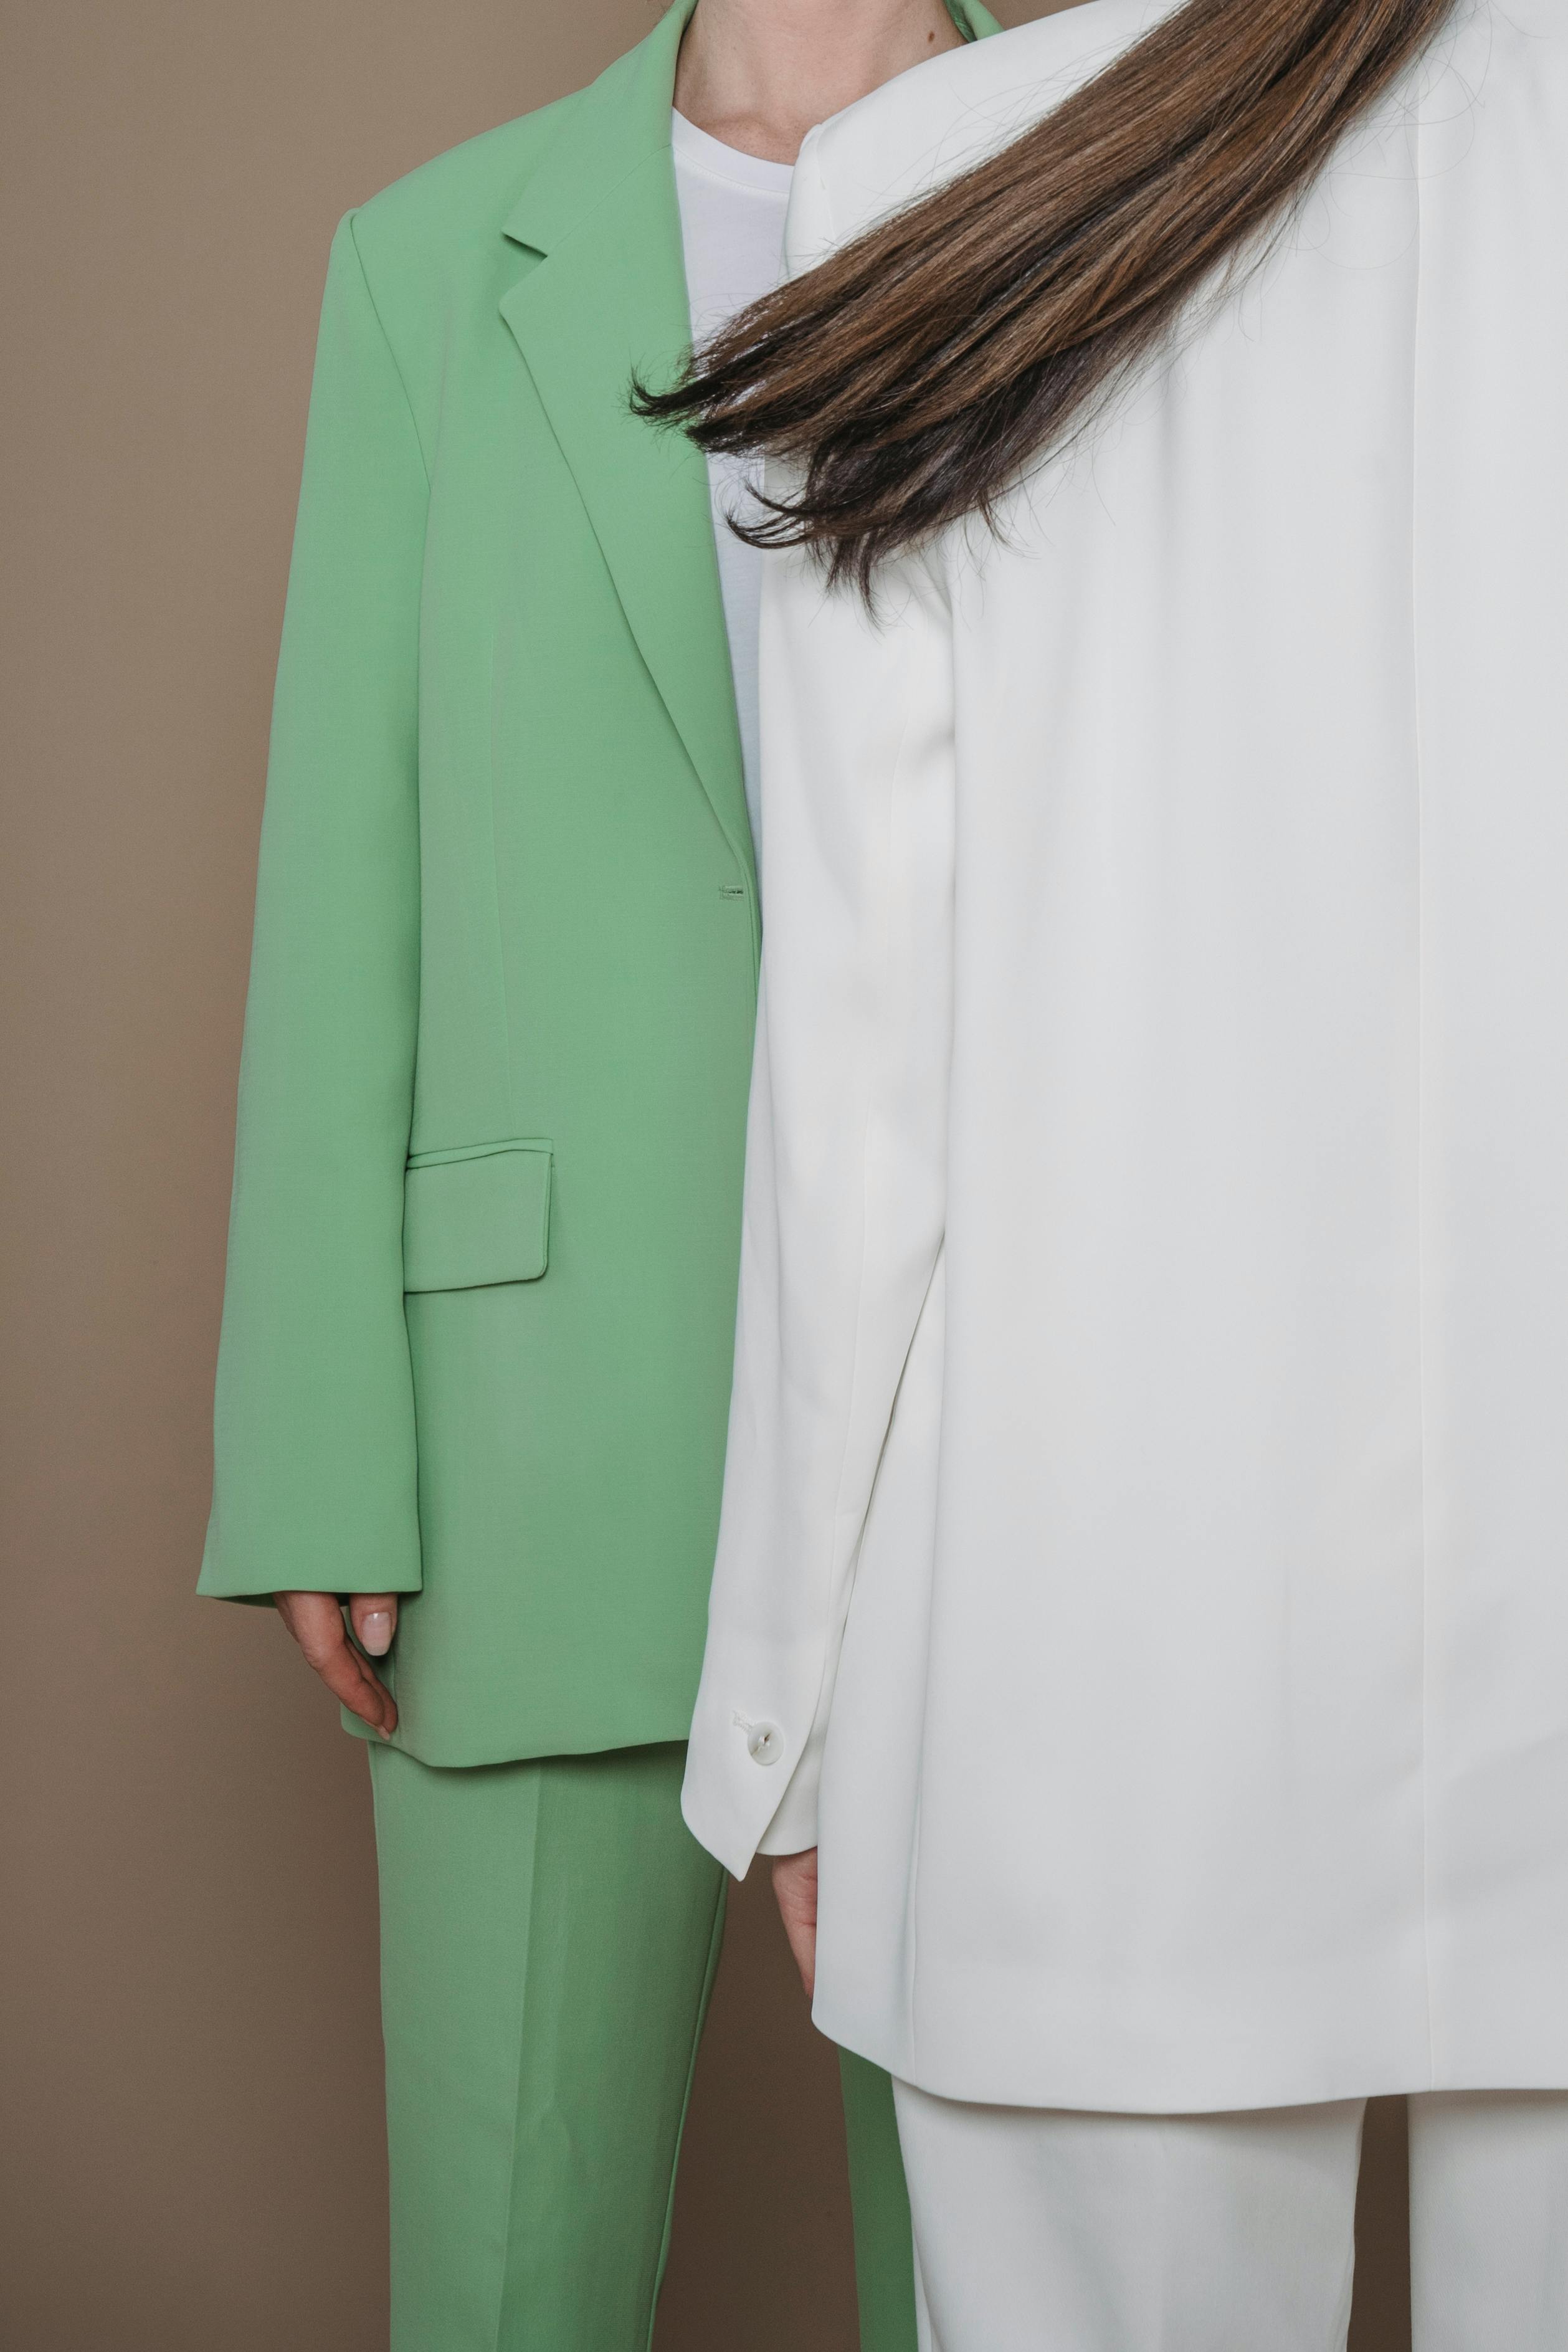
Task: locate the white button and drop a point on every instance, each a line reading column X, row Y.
column 764, row 1743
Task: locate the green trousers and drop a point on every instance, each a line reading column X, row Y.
column 549, row 1932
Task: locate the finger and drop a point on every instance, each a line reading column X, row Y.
column 315, row 1619
column 803, row 1945
column 373, row 1616
column 795, row 1890
column 795, row 1883
column 316, row 1622
column 351, row 1681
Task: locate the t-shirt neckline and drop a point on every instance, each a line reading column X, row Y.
column 699, row 151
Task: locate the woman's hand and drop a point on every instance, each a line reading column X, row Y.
column 316, row 1622
column 795, row 1887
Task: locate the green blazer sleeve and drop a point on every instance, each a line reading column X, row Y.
column 315, row 1483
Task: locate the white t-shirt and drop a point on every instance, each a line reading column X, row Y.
column 732, row 230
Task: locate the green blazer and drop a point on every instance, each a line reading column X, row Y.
column 483, row 1253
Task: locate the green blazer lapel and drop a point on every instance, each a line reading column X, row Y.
column 609, row 297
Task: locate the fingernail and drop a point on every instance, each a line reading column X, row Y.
column 375, row 1632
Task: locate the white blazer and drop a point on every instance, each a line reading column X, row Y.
column 1148, row 1504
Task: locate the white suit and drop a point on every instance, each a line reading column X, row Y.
column 1148, row 1504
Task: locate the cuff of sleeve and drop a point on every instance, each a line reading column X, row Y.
column 793, row 1827
column 263, row 1593
column 257, row 1570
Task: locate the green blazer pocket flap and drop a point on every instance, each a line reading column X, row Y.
column 476, row 1216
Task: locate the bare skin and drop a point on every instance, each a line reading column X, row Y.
column 316, row 1622
column 795, row 1892
column 759, row 73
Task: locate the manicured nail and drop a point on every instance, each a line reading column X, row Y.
column 375, row 1632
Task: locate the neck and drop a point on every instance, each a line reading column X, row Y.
column 758, row 73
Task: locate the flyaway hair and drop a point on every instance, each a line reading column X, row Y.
column 910, row 378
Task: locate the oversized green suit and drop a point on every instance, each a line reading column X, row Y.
column 478, row 1328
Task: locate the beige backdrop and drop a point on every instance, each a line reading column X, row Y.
column 190, row 2158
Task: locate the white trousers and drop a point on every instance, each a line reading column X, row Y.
column 1044, row 2231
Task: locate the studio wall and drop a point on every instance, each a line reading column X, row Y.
column 190, row 2153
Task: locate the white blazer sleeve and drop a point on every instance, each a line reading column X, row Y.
column 846, row 1158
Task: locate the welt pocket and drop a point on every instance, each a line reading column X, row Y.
column 476, row 1215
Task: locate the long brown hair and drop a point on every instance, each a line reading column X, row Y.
column 912, row 375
